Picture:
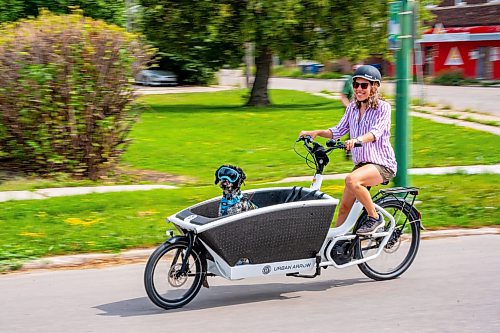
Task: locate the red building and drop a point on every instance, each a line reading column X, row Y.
column 466, row 36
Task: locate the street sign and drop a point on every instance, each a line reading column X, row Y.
column 394, row 25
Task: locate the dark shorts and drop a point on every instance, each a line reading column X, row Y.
column 385, row 172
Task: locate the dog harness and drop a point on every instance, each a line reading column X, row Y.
column 226, row 203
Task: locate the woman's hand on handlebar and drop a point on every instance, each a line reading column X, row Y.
column 311, row 134
column 351, row 143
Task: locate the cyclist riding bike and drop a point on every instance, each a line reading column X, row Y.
column 368, row 121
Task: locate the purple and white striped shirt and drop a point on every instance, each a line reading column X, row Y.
column 378, row 122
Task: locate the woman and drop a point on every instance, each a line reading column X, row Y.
column 368, row 121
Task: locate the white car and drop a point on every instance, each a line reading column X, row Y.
column 156, row 77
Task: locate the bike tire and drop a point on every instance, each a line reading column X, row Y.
column 409, row 238
column 163, row 287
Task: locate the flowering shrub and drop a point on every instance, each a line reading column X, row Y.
column 66, row 93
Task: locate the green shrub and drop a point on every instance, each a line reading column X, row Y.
column 66, row 92
column 449, row 77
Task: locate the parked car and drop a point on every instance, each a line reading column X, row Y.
column 156, row 77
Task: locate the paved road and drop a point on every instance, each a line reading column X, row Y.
column 479, row 99
column 451, row 287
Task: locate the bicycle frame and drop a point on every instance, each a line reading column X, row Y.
column 342, row 232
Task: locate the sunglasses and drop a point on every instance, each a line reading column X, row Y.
column 228, row 174
column 363, row 85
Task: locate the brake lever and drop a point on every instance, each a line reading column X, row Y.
column 305, row 138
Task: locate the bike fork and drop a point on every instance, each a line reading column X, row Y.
column 184, row 266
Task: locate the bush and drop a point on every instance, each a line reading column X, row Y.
column 449, row 77
column 66, row 93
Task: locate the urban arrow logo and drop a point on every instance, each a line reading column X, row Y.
column 266, row 270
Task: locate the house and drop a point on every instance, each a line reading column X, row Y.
column 466, row 35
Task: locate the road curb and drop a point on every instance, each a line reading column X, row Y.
column 93, row 260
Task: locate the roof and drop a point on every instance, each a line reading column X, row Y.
column 461, row 34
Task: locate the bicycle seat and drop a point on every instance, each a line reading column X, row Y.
column 383, row 183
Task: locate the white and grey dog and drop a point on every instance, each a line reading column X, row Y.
column 230, row 178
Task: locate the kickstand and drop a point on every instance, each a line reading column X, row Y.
column 205, row 282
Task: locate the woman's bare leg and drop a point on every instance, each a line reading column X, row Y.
column 356, row 182
column 346, row 203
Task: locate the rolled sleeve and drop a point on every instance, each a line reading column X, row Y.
column 342, row 127
column 383, row 122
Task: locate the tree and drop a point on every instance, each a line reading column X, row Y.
column 195, row 38
column 111, row 11
column 307, row 28
column 203, row 35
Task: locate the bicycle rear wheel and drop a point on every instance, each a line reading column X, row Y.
column 401, row 249
column 165, row 285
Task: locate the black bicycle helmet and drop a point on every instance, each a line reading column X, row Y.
column 369, row 73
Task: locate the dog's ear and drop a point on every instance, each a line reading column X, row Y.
column 217, row 178
column 243, row 176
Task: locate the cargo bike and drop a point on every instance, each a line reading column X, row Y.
column 289, row 234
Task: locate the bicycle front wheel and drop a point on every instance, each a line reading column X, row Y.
column 166, row 285
column 402, row 247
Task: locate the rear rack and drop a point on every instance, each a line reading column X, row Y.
column 407, row 195
column 399, row 193
column 398, row 190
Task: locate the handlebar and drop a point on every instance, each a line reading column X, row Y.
column 331, row 144
column 320, row 153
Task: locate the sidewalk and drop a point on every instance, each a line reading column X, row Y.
column 67, row 191
column 470, row 169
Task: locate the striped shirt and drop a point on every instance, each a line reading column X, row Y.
column 378, row 122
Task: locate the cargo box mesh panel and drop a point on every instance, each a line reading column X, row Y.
column 284, row 234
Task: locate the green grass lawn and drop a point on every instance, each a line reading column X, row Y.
column 115, row 221
column 192, row 134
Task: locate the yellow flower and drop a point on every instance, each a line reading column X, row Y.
column 41, row 214
column 32, row 234
column 78, row 221
column 147, row 213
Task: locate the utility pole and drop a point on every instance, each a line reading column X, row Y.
column 403, row 77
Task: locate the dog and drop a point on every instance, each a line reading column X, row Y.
column 230, row 179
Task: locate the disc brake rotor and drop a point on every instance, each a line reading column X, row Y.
column 394, row 242
column 175, row 279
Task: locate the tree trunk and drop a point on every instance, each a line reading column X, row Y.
column 259, row 95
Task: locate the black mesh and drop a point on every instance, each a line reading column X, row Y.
column 287, row 234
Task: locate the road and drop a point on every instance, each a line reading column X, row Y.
column 479, row 99
column 451, row 287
